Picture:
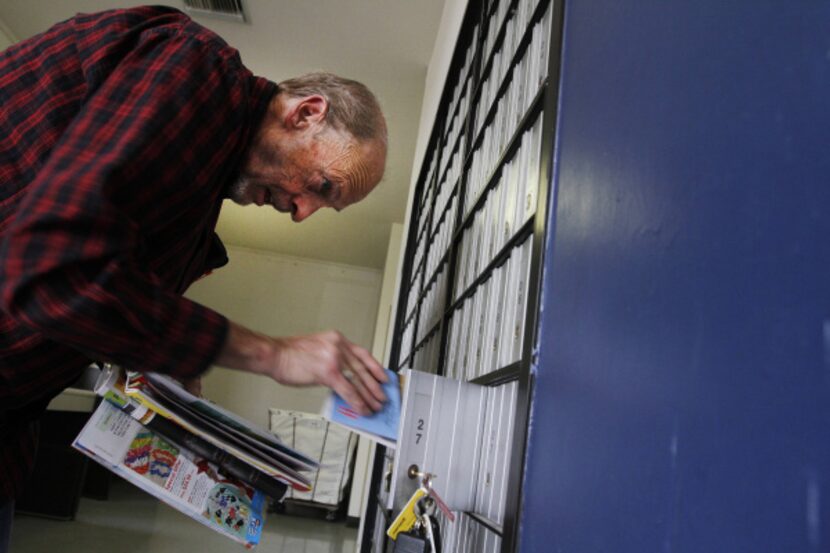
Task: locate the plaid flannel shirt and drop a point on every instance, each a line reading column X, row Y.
column 119, row 135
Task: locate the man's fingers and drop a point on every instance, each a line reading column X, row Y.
column 348, row 392
column 330, row 359
column 366, row 384
column 194, row 386
column 375, row 368
column 367, row 397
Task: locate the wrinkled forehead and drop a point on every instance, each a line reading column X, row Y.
column 366, row 163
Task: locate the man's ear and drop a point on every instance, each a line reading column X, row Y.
column 306, row 112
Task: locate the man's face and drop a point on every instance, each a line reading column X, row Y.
column 301, row 172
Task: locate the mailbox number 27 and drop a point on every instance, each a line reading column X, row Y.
column 420, row 431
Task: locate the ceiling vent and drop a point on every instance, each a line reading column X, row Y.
column 232, row 10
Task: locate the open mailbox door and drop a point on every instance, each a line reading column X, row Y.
column 459, row 433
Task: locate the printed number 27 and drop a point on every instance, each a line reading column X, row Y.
column 419, row 435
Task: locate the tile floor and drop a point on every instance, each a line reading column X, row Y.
column 131, row 521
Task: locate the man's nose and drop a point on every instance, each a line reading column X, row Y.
column 302, row 208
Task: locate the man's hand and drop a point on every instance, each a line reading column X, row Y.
column 327, row 358
column 193, row 385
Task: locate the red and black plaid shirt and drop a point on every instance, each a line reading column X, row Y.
column 119, row 135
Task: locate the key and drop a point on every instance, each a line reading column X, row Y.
column 407, row 518
column 424, row 537
column 426, row 485
column 439, row 502
column 415, row 540
column 433, row 531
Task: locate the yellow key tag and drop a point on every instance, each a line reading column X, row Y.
column 407, row 518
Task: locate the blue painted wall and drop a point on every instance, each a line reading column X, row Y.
column 682, row 398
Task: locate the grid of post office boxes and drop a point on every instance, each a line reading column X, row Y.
column 413, row 287
column 433, row 247
column 486, row 329
column 508, row 204
column 482, row 176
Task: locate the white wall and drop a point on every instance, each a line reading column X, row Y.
column 7, row 38
column 284, row 296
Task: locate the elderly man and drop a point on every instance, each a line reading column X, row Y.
column 120, row 135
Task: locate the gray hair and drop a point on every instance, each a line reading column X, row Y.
column 352, row 106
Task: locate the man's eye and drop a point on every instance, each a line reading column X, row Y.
column 325, row 187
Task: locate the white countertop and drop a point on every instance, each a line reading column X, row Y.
column 74, row 399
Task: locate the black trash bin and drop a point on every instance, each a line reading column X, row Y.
column 58, row 477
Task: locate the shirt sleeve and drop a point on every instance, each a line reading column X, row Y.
column 69, row 265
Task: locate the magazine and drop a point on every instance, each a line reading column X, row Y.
column 111, row 387
column 240, row 438
column 172, row 474
column 203, row 460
